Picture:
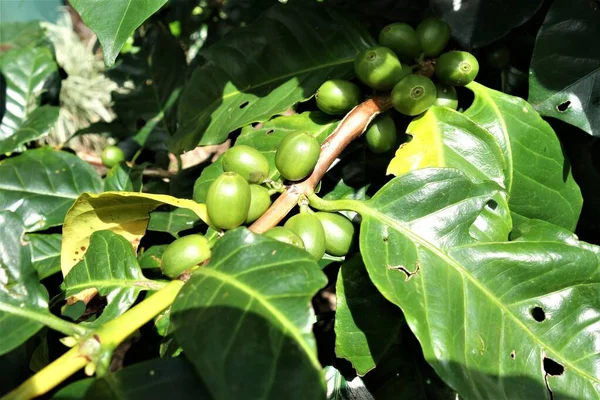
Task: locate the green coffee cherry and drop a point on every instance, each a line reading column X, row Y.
column 184, row 253
column 260, row 201
column 381, row 134
column 446, row 96
column 337, row 96
column 413, row 95
column 309, row 228
column 285, row 235
column 401, row 38
column 228, row 201
column 339, row 233
column 456, row 68
column 246, row 161
column 112, row 155
column 378, row 67
column 433, row 35
column 297, row 155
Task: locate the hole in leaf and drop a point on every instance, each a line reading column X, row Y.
column 269, row 131
column 538, row 314
column 244, row 104
column 492, row 204
column 385, row 239
column 553, row 368
column 513, row 354
column 563, row 106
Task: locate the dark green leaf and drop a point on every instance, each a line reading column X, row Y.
column 173, row 221
column 14, row 365
column 489, row 316
column 251, row 304
column 207, row 177
column 564, row 78
column 123, row 178
column 21, row 296
column 113, row 25
column 152, row 257
column 262, row 70
column 338, row 388
column 476, row 23
column 40, row 185
column 75, row 391
column 109, row 266
column 366, row 324
column 538, row 177
column 45, row 253
column 25, row 70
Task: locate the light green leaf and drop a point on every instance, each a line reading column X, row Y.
column 114, row 21
column 15, row 35
column 152, row 257
column 564, row 79
column 25, row 70
column 40, row 185
column 538, row 177
column 45, row 253
column 21, row 296
column 110, row 267
column 366, row 324
column 262, row 70
column 490, row 317
column 252, row 305
column 173, row 221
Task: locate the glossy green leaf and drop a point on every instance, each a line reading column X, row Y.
column 115, row 23
column 45, row 253
column 40, row 185
column 263, row 69
column 446, row 138
column 489, row 316
column 74, row 391
column 123, row 178
column 538, row 177
column 207, row 177
column 25, row 70
column 564, row 79
column 476, row 23
column 21, row 296
column 158, row 379
column 339, row 388
column 251, row 304
column 366, row 324
column 109, row 266
column 266, row 138
column 152, row 257
column 173, row 221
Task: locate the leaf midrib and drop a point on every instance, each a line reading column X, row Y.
column 366, row 210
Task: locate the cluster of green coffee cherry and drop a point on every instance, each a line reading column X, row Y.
column 242, row 194
column 390, row 66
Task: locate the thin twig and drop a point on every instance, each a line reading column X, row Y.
column 351, row 127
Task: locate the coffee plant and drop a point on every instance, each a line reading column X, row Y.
column 305, row 200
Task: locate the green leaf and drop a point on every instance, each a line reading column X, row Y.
column 123, row 178
column 153, row 379
column 40, row 185
column 538, row 177
column 338, row 388
column 251, row 304
column 15, row 35
column 45, row 253
column 207, row 177
column 173, row 221
column 21, row 296
column 366, row 324
column 152, row 257
column 25, row 70
column 564, row 80
column 476, row 23
column 266, row 138
column 74, row 391
column 489, row 316
column 445, row 138
column 114, row 23
column 262, row 70
column 109, row 266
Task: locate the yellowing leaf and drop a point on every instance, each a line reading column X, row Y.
column 124, row 213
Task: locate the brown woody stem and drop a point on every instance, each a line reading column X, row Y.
column 352, row 126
